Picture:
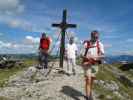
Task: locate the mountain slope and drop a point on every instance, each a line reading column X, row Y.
column 31, row 84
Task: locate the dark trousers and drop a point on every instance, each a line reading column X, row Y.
column 43, row 59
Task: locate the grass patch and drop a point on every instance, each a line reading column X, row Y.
column 129, row 73
column 104, row 93
column 4, row 98
column 30, row 62
column 6, row 73
column 106, row 75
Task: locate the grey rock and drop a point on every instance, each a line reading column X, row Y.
column 111, row 86
column 108, row 97
column 119, row 95
column 30, row 72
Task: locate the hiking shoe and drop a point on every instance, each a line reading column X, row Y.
column 88, row 98
column 68, row 74
column 74, row 73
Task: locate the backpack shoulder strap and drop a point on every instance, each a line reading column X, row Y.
column 86, row 49
column 98, row 48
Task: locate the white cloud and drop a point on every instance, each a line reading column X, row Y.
column 31, row 40
column 9, row 47
column 24, row 24
column 34, row 40
column 11, row 6
column 9, row 10
column 129, row 40
column 1, row 34
column 19, row 23
column 4, row 44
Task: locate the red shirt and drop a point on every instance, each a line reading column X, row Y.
column 44, row 43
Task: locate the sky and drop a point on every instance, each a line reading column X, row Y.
column 23, row 21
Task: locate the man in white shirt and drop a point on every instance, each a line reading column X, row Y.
column 71, row 52
column 94, row 52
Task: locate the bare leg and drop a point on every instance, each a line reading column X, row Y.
column 88, row 86
column 92, row 81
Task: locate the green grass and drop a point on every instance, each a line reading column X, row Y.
column 105, row 75
column 30, row 62
column 4, row 98
column 104, row 93
column 6, row 73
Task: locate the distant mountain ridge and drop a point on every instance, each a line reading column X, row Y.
column 119, row 58
column 19, row 56
column 108, row 59
column 24, row 56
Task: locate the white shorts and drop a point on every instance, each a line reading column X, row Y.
column 91, row 71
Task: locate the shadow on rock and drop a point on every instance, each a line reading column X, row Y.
column 70, row 91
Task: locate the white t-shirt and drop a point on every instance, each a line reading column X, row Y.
column 71, row 50
column 94, row 51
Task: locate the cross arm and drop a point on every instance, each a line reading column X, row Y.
column 71, row 25
column 56, row 25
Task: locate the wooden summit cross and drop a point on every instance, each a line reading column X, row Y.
column 63, row 26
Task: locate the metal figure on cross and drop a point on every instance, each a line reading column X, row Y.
column 63, row 26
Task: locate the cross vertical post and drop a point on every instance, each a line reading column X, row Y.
column 63, row 26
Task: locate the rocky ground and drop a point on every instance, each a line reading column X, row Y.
column 32, row 84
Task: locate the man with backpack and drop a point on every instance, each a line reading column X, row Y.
column 43, row 50
column 94, row 53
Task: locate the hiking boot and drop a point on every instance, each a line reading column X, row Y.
column 74, row 73
column 88, row 98
column 68, row 74
column 39, row 67
column 91, row 98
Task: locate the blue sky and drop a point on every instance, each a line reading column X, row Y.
column 22, row 21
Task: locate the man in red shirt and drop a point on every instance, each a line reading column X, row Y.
column 44, row 48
